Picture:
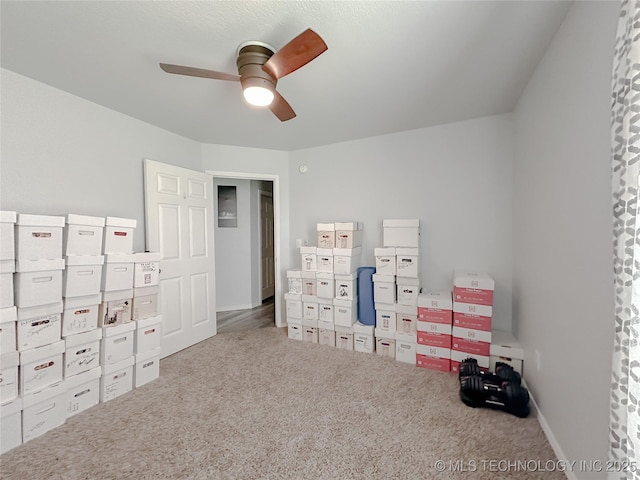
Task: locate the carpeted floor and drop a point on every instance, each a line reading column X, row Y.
column 256, row 405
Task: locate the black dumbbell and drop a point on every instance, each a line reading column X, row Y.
column 503, row 372
column 509, row 397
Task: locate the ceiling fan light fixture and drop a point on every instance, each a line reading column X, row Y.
column 258, row 96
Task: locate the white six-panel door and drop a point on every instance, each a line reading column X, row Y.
column 179, row 212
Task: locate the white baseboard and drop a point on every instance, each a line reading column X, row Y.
column 549, row 434
column 228, row 308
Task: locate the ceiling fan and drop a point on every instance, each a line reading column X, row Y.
column 260, row 67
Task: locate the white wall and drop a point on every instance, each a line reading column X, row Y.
column 455, row 178
column 233, row 251
column 562, row 231
column 62, row 154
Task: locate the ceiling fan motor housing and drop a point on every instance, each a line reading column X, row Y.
column 251, row 57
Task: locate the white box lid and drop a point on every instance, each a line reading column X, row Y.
column 473, row 309
column 343, row 329
column 384, row 251
column 379, row 277
column 440, row 299
column 471, row 334
column 411, row 222
column 324, row 252
column 82, row 338
column 325, row 275
column 479, row 280
column 84, row 260
column 307, row 274
column 342, row 302
column 504, row 344
column 82, row 378
column 310, row 323
column 40, row 310
column 409, row 281
column 9, row 359
column 307, row 250
column 148, row 322
column 45, row 394
column 390, row 335
column 7, row 266
column 294, row 273
column 326, row 325
column 365, row 329
column 347, row 252
column 408, row 251
column 117, row 295
column 8, row 314
column 407, row 309
column 144, row 257
column 120, row 222
column 85, row 301
column 293, row 296
column 407, row 337
column 121, row 365
column 73, row 219
column 348, row 226
column 116, row 330
column 119, row 258
column 11, row 408
column 325, row 301
column 33, row 354
column 342, row 278
column 23, row 266
column 295, row 321
column 143, row 291
column 7, row 217
column 144, row 356
column 309, row 298
column 40, row 220
column 385, row 307
column 326, row 227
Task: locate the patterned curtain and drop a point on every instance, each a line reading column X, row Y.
column 625, row 138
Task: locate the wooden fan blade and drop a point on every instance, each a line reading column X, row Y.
column 281, row 108
column 198, row 72
column 295, row 54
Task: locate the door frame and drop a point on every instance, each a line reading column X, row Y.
column 277, row 252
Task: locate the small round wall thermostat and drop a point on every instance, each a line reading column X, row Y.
column 302, row 169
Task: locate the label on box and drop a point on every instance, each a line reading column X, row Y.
column 433, row 315
column 434, row 339
column 433, row 363
column 475, row 322
column 470, row 346
column 473, row 295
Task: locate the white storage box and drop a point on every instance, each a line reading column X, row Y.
column 309, row 308
column 146, row 269
column 408, row 290
column 294, row 329
column 148, row 334
column 309, row 334
column 39, row 326
column 83, row 276
column 385, row 260
column 344, row 337
column 326, row 333
column 345, row 312
column 44, row 410
column 145, row 302
column 384, row 288
column 406, row 347
column 325, row 309
column 385, row 343
column 294, row 306
column 326, row 235
column 309, row 259
column 147, row 367
column 325, row 285
column 38, row 237
column 118, row 235
column 406, row 319
column 294, row 278
column 408, row 262
column 346, row 260
column 6, row 289
column 505, row 348
column 9, row 376
column 80, row 314
column 346, row 287
column 385, row 317
column 348, row 235
column 401, row 233
column 325, row 260
column 83, row 235
column 363, row 338
column 309, row 283
column 10, row 425
column 7, row 237
column 117, row 272
column 83, row 391
column 116, row 379
column 82, row 352
column 38, row 282
column 40, row 367
column 473, row 280
column 8, row 336
column 117, row 343
column 115, row 308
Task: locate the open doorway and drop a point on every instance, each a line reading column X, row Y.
column 246, row 251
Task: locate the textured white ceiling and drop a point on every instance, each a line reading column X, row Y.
column 390, row 66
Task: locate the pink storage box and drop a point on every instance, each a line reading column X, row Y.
column 473, row 295
column 434, row 339
column 433, row 363
column 475, row 322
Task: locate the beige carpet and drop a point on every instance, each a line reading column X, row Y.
column 256, row 405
